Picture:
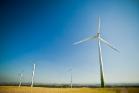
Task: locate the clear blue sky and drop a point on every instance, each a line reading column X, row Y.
column 43, row 31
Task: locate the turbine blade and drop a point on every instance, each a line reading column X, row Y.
column 84, row 40
column 98, row 24
column 107, row 43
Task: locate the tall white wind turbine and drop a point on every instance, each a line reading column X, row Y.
column 33, row 72
column 71, row 79
column 99, row 40
column 70, row 70
column 20, row 79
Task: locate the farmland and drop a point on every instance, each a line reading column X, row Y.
column 15, row 89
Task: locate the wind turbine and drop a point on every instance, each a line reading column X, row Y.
column 71, row 79
column 20, row 79
column 33, row 72
column 99, row 40
column 70, row 70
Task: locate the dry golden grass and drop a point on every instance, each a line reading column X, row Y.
column 14, row 89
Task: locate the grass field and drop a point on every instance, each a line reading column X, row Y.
column 14, row 89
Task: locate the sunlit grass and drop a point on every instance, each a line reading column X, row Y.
column 15, row 89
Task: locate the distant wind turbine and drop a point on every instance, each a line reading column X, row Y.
column 71, row 79
column 20, row 79
column 99, row 39
column 70, row 70
column 33, row 72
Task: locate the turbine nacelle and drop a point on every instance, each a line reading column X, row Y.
column 98, row 35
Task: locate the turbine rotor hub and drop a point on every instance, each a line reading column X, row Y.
column 98, row 34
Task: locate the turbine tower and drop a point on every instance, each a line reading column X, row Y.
column 33, row 72
column 20, row 79
column 99, row 40
column 70, row 70
column 71, row 79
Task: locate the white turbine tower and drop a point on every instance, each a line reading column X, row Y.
column 33, row 72
column 20, row 79
column 71, row 79
column 70, row 70
column 99, row 40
